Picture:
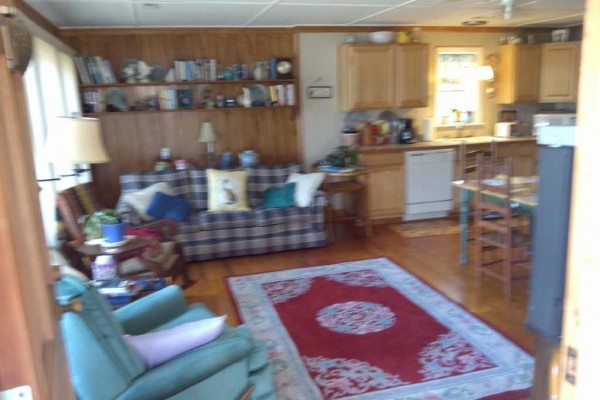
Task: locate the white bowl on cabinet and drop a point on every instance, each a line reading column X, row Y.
column 382, row 37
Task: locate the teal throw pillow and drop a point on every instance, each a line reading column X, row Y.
column 167, row 206
column 279, row 197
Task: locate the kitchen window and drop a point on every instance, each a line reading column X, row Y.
column 457, row 99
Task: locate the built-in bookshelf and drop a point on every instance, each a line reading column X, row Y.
column 187, row 85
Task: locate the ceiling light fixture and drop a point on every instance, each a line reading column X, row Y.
column 508, row 8
column 475, row 22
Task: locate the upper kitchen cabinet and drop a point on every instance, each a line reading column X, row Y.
column 366, row 76
column 382, row 76
column 559, row 74
column 411, row 75
column 518, row 73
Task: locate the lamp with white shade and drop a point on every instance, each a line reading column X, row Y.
column 75, row 140
column 207, row 135
column 486, row 73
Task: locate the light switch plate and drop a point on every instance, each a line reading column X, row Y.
column 320, row 92
column 17, row 393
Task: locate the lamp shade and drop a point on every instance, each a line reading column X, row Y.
column 485, row 73
column 75, row 140
column 207, row 133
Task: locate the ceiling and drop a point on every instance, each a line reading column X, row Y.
column 287, row 13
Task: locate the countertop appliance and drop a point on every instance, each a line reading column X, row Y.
column 553, row 119
column 406, row 133
column 551, row 230
column 429, row 175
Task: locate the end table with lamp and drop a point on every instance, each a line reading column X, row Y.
column 343, row 181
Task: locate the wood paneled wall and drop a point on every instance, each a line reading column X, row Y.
column 134, row 140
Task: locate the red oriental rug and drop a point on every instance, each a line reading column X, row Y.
column 370, row 330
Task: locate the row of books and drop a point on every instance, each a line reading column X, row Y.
column 283, row 95
column 195, row 70
column 175, row 99
column 94, row 69
column 210, row 70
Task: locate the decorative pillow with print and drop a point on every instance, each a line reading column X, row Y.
column 227, row 190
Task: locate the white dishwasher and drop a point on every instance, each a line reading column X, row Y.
column 428, row 190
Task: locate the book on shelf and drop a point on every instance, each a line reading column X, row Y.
column 94, row 70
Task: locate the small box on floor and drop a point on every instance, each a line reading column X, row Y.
column 152, row 283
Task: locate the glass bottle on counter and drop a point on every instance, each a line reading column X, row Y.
column 415, row 35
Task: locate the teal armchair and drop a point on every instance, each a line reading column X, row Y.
column 102, row 366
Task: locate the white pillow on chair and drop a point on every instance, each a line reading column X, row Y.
column 306, row 187
column 140, row 200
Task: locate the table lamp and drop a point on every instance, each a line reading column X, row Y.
column 75, row 140
column 207, row 135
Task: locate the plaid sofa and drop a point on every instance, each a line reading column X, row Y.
column 209, row 235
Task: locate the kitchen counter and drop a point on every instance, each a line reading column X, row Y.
column 442, row 144
column 388, row 184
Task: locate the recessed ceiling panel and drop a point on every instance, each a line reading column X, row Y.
column 88, row 13
column 387, row 3
column 195, row 14
column 205, row 1
column 282, row 15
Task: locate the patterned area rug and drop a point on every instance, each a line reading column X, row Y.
column 370, row 330
column 426, row 228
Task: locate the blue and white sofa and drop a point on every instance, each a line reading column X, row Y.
column 210, row 235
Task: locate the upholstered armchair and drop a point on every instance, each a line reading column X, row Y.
column 80, row 200
column 103, row 366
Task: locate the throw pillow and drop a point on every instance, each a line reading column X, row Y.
column 226, row 190
column 141, row 199
column 166, row 206
column 279, row 197
column 306, row 187
column 157, row 347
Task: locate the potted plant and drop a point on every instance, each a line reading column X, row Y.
column 103, row 224
column 343, row 156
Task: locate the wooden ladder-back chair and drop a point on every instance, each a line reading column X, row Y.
column 506, row 236
column 468, row 159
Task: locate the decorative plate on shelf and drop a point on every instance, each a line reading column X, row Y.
column 352, row 118
column 259, row 93
column 158, row 73
column 116, row 100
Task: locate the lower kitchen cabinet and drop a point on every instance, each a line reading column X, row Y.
column 387, row 184
column 386, row 191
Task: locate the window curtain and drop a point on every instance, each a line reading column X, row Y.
column 51, row 90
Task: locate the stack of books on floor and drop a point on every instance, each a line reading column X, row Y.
column 118, row 291
column 121, row 291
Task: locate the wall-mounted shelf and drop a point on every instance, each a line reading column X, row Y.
column 186, row 110
column 184, row 83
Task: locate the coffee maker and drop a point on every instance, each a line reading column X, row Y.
column 405, row 131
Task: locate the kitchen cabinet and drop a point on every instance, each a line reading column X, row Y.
column 386, row 183
column 559, row 73
column 382, row 76
column 518, row 73
column 366, row 76
column 411, row 75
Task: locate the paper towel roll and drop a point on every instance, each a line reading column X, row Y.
column 427, row 130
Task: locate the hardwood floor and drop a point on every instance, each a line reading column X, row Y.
column 433, row 259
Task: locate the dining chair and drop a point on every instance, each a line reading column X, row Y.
column 467, row 160
column 502, row 244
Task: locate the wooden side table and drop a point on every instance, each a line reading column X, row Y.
column 354, row 182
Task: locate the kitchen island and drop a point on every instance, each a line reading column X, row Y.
column 387, row 181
